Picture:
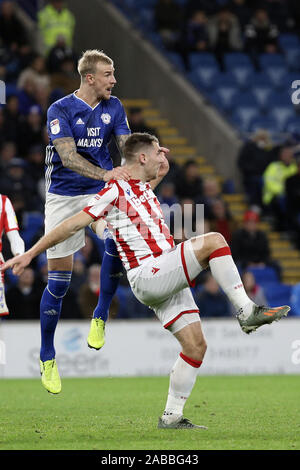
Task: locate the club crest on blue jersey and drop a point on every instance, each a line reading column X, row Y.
column 106, row 118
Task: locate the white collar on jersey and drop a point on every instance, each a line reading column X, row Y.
column 74, row 93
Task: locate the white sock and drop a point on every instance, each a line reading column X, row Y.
column 227, row 276
column 182, row 380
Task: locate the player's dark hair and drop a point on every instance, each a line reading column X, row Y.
column 135, row 142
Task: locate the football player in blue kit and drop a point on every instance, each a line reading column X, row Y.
column 78, row 165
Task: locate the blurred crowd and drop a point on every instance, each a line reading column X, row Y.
column 38, row 72
column 223, row 26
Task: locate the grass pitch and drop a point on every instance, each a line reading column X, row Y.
column 248, row 412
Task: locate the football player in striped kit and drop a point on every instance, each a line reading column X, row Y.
column 9, row 226
column 161, row 273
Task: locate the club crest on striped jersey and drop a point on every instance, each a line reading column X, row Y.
column 54, row 126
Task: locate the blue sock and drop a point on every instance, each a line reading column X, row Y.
column 50, row 308
column 111, row 271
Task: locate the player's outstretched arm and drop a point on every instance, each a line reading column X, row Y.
column 66, row 148
column 60, row 233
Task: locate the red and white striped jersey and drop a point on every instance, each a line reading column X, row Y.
column 8, row 219
column 134, row 217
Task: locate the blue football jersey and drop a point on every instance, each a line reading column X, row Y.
column 91, row 129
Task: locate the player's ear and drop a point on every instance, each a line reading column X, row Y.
column 90, row 78
column 142, row 158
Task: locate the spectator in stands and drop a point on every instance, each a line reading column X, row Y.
column 12, row 120
column 188, row 218
column 23, row 299
column 7, row 153
column 196, row 35
column 169, row 203
column 189, row 183
column 10, row 64
column 167, row 194
column 207, row 6
column 18, row 203
column 280, row 14
column 294, row 9
column 36, row 160
column 88, row 252
column 12, row 32
column 168, row 17
column 241, row 10
column 58, row 54
column 17, row 179
column 89, row 293
column 274, row 177
column 260, row 33
column 253, row 158
column 54, row 20
column 211, row 301
column 3, row 135
column 211, row 193
column 292, row 192
column 31, row 131
column 250, row 245
column 36, row 72
column 224, row 33
column 137, row 121
column 253, row 290
column 27, row 95
column 222, row 220
column 79, row 273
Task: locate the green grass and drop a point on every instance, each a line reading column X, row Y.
column 251, row 412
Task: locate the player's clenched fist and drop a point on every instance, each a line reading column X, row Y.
column 118, row 173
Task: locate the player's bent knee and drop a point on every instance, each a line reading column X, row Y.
column 196, row 349
column 217, row 240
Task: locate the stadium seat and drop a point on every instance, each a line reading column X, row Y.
column 225, row 79
column 176, row 60
column 242, row 74
column 293, row 125
column 282, row 115
column 223, row 97
column 235, row 59
column 33, row 222
column 292, row 58
column 204, row 77
column 288, row 40
column 278, row 294
column 243, row 115
column 277, row 75
column 245, row 99
column 262, row 95
column 295, row 299
column 156, row 39
column 271, row 60
column 264, row 275
column 197, row 59
column 11, row 89
column 267, row 123
column 260, row 79
column 129, row 306
column 146, row 19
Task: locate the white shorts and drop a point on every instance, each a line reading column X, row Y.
column 57, row 209
column 163, row 283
